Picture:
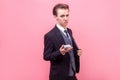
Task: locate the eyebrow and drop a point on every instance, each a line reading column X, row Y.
column 64, row 15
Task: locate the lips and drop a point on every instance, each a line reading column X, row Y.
column 65, row 22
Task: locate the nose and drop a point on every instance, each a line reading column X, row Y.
column 65, row 17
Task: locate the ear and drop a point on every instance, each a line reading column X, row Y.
column 55, row 17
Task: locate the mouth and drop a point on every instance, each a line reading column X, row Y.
column 65, row 22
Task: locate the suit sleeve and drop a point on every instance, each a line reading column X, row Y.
column 49, row 52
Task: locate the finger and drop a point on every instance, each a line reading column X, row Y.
column 62, row 47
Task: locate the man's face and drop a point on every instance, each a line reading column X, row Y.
column 62, row 17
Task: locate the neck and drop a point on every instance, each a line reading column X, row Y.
column 62, row 26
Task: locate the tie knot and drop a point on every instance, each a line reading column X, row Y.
column 65, row 31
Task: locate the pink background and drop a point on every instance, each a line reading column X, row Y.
column 96, row 28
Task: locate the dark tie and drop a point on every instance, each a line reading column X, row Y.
column 66, row 33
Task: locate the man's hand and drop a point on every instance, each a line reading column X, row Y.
column 79, row 52
column 65, row 50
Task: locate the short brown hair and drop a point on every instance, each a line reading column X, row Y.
column 59, row 6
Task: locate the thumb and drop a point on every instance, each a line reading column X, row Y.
column 62, row 46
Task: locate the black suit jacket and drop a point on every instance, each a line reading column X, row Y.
column 59, row 64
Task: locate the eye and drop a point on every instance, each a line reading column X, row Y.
column 67, row 15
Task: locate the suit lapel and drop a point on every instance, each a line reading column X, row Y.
column 59, row 35
column 74, row 43
column 70, row 33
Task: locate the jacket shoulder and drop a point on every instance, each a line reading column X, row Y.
column 51, row 32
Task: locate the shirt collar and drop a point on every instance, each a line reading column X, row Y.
column 61, row 28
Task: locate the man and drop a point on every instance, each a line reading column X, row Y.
column 60, row 48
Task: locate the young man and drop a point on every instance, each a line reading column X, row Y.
column 60, row 48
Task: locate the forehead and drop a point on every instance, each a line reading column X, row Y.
column 62, row 11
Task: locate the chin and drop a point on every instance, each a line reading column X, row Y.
column 64, row 25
